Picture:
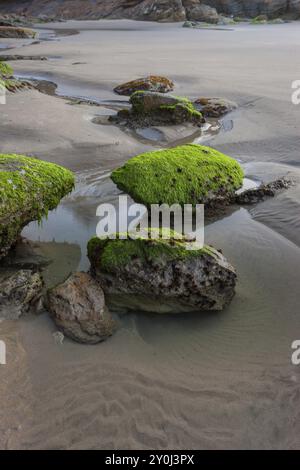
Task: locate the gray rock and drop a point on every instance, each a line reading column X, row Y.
column 20, row 292
column 161, row 277
column 78, row 308
column 16, row 32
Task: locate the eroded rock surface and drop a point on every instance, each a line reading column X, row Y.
column 78, row 308
column 20, row 292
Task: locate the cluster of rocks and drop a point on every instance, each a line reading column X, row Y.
column 151, row 107
column 152, row 10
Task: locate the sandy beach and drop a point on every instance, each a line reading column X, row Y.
column 196, row 381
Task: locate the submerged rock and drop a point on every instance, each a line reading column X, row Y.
column 189, row 174
column 153, row 109
column 20, row 292
column 151, row 83
column 15, row 32
column 78, row 308
column 214, row 107
column 29, row 188
column 162, row 276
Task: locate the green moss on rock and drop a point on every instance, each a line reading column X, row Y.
column 6, row 70
column 189, row 174
column 109, row 255
column 29, row 188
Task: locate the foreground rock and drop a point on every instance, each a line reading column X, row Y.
column 189, row 174
column 214, row 107
column 20, row 292
column 162, row 276
column 78, row 308
column 155, row 109
column 29, row 188
column 151, row 83
column 13, row 32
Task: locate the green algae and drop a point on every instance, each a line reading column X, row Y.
column 112, row 254
column 189, row 174
column 29, row 188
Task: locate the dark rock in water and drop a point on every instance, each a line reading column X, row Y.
column 162, row 276
column 16, row 32
column 200, row 12
column 154, row 109
column 29, row 188
column 151, row 83
column 214, row 107
column 254, row 195
column 78, row 308
column 20, row 292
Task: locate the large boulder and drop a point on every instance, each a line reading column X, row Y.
column 20, row 292
column 162, row 276
column 152, row 109
column 29, row 188
column 151, row 83
column 189, row 174
column 78, row 308
column 15, row 32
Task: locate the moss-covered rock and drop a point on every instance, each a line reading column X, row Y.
column 189, row 174
column 6, row 70
column 151, row 83
column 155, row 109
column 29, row 188
column 161, row 275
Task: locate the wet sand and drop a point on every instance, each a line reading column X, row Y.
column 202, row 381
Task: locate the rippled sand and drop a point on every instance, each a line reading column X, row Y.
column 209, row 381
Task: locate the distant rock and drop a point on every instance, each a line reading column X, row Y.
column 149, row 10
column 161, row 276
column 20, row 291
column 16, row 32
column 152, row 83
column 149, row 108
column 214, row 107
column 200, row 12
column 78, row 308
column 29, row 188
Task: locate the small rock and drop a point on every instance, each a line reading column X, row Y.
column 78, row 308
column 254, row 195
column 214, row 107
column 151, row 83
column 20, row 292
